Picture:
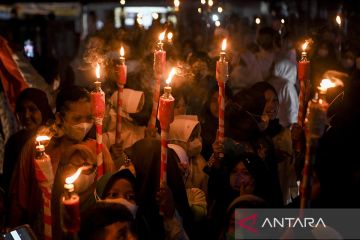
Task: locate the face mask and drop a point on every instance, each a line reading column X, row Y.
column 194, row 147
column 132, row 207
column 84, row 182
column 77, row 132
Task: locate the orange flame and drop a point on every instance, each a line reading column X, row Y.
column 122, row 51
column 42, row 138
column 171, row 75
column 170, row 35
column 305, row 45
column 72, row 179
column 338, row 20
column 97, row 71
column 162, row 36
column 223, row 45
column 326, row 84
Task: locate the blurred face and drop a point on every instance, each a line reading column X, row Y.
column 122, row 188
column 241, row 180
column 271, row 104
column 118, row 231
column 214, row 105
column 180, row 108
column 30, row 116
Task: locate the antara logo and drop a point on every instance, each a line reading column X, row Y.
column 293, row 222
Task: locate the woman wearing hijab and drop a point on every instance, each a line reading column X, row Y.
column 145, row 156
column 121, row 188
column 33, row 110
column 276, row 145
column 284, row 81
column 76, row 156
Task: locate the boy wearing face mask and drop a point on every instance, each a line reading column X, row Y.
column 73, row 121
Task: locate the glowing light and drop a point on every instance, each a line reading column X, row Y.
column 97, row 71
column 258, row 21
column 139, row 21
column 122, row 2
column 199, row 10
column 171, row 75
column 220, row 9
column 305, row 45
column 217, row 23
column 210, row 3
column 170, row 36
column 122, row 51
column 282, row 21
column 215, row 17
column 72, row 179
column 223, row 45
column 155, row 16
column 176, row 3
column 162, row 36
column 203, row 2
column 338, row 20
column 42, row 138
column 326, row 84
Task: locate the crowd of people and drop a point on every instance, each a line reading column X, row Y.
column 259, row 165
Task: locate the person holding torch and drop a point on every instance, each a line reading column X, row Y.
column 315, row 123
column 73, row 121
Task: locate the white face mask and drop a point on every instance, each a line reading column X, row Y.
column 84, row 182
column 132, row 207
column 194, row 147
column 77, row 132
